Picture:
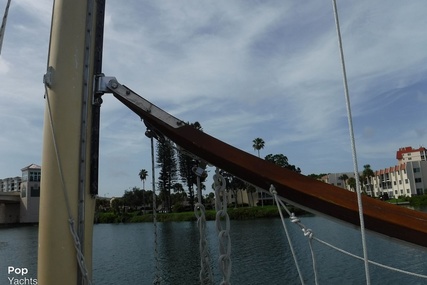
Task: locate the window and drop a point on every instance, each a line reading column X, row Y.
column 24, row 176
column 34, row 176
column 406, row 180
column 407, row 191
column 394, row 182
column 400, row 181
column 417, row 180
column 23, row 192
column 35, row 191
column 416, row 169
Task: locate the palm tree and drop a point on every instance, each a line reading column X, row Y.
column 143, row 176
column 352, row 183
column 344, row 178
column 366, row 176
column 258, row 144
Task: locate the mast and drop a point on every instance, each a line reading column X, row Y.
column 70, row 138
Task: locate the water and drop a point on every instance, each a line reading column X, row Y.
column 123, row 254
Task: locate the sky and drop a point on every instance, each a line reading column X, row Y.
column 243, row 69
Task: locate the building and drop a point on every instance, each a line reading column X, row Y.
column 10, row 184
column 407, row 178
column 20, row 196
column 407, row 154
column 336, row 179
column 30, row 194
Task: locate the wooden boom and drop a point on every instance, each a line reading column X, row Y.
column 302, row 191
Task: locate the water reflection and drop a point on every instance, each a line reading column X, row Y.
column 124, row 253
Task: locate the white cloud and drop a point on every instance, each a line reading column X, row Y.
column 243, row 69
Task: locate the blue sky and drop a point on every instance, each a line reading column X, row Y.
column 243, row 69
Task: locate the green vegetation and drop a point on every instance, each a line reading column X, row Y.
column 418, row 200
column 246, row 213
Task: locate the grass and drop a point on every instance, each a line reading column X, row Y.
column 246, row 213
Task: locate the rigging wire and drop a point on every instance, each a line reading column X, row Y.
column 353, row 146
column 3, row 24
column 77, row 244
column 291, row 246
column 157, row 279
column 310, row 234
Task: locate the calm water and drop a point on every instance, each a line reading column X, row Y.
column 123, row 254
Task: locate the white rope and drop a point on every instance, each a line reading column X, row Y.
column 205, row 275
column 76, row 240
column 309, row 233
column 3, row 24
column 353, row 147
column 278, row 203
column 223, row 233
column 370, row 261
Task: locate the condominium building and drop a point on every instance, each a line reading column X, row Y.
column 407, row 178
column 20, row 196
column 10, row 184
column 407, row 154
column 338, row 179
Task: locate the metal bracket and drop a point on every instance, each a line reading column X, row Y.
column 101, row 84
column 47, row 78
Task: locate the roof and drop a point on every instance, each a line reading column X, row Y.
column 31, row 166
column 408, row 149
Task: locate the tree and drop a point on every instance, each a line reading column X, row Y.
column 317, row 176
column 366, row 176
column 282, row 161
column 343, row 178
column 250, row 189
column 186, row 165
column 133, row 198
column 166, row 161
column 258, row 144
column 352, row 183
column 143, row 176
column 233, row 184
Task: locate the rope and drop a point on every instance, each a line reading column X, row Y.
column 205, row 275
column 309, row 233
column 278, row 203
column 157, row 279
column 3, row 24
column 353, row 147
column 76, row 240
column 223, row 234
